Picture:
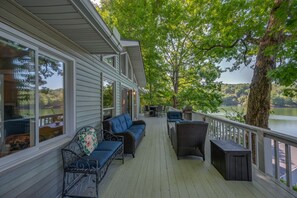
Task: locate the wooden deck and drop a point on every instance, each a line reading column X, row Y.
column 156, row 172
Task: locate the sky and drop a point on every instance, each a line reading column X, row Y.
column 243, row 75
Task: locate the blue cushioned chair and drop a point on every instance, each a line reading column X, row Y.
column 172, row 117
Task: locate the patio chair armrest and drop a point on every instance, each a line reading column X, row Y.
column 111, row 137
column 138, row 122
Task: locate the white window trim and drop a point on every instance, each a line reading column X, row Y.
column 41, row 148
column 126, row 63
column 114, row 95
column 114, row 59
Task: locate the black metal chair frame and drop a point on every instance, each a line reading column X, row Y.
column 77, row 165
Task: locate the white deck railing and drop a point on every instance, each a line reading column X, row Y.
column 264, row 144
column 48, row 119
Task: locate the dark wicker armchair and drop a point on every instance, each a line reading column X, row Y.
column 188, row 138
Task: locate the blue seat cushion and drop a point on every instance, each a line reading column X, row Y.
column 174, row 120
column 116, row 125
column 100, row 156
column 174, row 115
column 123, row 122
column 108, row 146
column 128, row 120
column 137, row 131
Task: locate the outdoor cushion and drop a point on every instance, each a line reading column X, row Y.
column 108, row 146
column 174, row 115
column 101, row 156
column 123, row 122
column 128, row 120
column 88, row 141
column 136, row 128
column 174, row 120
column 137, row 134
column 116, row 126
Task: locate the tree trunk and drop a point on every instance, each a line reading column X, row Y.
column 259, row 97
column 175, row 88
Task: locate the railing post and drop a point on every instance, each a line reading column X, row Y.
column 276, row 159
column 261, row 151
column 265, row 153
column 288, row 165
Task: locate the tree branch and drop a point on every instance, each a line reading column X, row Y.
column 220, row 46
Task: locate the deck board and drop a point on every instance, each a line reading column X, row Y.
column 156, row 172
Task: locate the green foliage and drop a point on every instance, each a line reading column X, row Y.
column 283, row 181
column 168, row 32
column 51, row 99
column 295, row 187
column 183, row 41
column 236, row 115
column 237, row 94
column 287, row 76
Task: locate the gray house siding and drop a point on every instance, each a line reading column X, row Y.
column 88, row 95
column 41, row 174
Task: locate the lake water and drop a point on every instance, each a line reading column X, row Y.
column 283, row 120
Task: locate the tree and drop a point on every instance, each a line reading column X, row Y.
column 259, row 33
column 172, row 58
column 192, row 36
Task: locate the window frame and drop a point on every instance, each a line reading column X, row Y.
column 104, row 59
column 113, row 108
column 62, row 59
column 40, row 148
column 125, row 54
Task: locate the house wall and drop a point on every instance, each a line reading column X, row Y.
column 38, row 171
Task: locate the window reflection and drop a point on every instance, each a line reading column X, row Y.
column 123, row 64
column 51, row 97
column 17, row 92
column 108, row 98
column 110, row 60
column 126, row 100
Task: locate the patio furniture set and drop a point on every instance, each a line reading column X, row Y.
column 90, row 152
column 155, row 110
column 188, row 139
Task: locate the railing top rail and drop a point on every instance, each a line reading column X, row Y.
column 51, row 115
column 173, row 109
column 267, row 133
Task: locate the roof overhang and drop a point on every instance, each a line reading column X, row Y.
column 134, row 50
column 78, row 20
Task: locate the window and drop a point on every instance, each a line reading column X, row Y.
column 51, row 97
column 123, row 64
column 31, row 97
column 108, row 98
column 110, row 60
column 126, row 100
column 130, row 72
column 17, row 110
column 135, row 104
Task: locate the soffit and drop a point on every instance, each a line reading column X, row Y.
column 77, row 20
